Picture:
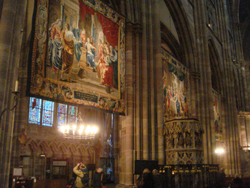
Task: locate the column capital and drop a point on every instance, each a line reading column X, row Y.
column 135, row 28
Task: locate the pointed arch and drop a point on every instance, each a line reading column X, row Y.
column 182, row 26
column 72, row 148
column 44, row 146
column 33, row 145
column 82, row 150
column 54, row 147
column 64, row 148
column 167, row 38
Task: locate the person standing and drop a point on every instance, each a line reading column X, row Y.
column 146, row 179
column 83, row 58
column 79, row 170
column 55, row 45
column 157, row 179
column 90, row 54
column 221, row 178
column 98, row 178
column 237, row 182
column 67, row 50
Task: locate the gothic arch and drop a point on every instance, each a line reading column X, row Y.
column 184, row 32
column 54, row 147
column 82, row 150
column 44, row 146
column 72, row 149
column 32, row 145
column 64, row 149
column 168, row 39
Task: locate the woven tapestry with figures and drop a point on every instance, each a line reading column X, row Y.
column 77, row 54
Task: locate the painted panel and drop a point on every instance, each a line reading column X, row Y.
column 78, row 54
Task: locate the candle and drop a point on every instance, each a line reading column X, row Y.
column 16, row 86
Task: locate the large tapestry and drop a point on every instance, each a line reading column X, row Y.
column 78, row 54
column 217, row 117
column 175, row 87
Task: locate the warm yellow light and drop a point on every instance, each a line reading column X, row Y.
column 219, row 151
column 94, row 130
column 81, row 129
column 88, row 129
column 67, row 128
column 62, row 129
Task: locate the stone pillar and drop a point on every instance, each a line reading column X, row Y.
column 126, row 177
column 158, row 84
column 231, row 131
column 205, row 84
column 137, row 31
column 11, row 35
column 145, row 86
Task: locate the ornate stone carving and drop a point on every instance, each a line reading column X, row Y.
column 58, row 148
column 183, row 139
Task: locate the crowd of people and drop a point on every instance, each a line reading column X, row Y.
column 150, row 180
column 156, row 180
column 147, row 179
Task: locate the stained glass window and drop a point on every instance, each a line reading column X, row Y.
column 35, row 110
column 72, row 115
column 48, row 112
column 41, row 112
column 62, row 114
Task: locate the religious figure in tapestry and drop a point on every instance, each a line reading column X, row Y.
column 84, row 63
column 175, row 88
column 217, row 117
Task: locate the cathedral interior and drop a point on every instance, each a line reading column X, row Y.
column 122, row 84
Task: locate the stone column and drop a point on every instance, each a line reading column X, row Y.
column 126, row 177
column 232, row 148
column 205, row 85
column 137, row 30
column 12, row 20
column 145, row 86
column 158, row 84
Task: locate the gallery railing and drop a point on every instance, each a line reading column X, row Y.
column 190, row 176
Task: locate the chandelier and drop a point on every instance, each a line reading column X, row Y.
column 78, row 132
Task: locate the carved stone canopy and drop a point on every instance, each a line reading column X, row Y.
column 183, row 138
